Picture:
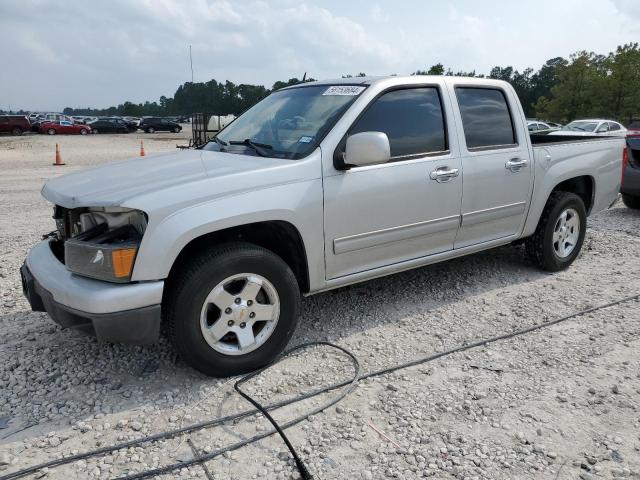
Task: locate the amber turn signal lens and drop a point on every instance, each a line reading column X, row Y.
column 123, row 261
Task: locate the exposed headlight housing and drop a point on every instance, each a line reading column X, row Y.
column 104, row 242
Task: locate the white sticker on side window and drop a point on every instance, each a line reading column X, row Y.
column 350, row 90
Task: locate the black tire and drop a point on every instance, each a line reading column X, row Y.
column 540, row 246
column 95, row 130
column 51, row 131
column 176, row 129
column 83, row 131
column 188, row 289
column 16, row 131
column 150, row 130
column 631, row 201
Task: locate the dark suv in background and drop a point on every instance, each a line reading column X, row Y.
column 157, row 124
column 14, row 124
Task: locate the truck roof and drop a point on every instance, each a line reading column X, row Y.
column 400, row 79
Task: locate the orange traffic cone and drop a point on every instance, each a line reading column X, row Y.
column 141, row 149
column 58, row 156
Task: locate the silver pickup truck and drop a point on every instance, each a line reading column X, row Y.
column 318, row 186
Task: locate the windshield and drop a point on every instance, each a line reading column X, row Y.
column 288, row 123
column 581, row 126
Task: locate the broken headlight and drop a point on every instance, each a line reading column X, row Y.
column 105, row 243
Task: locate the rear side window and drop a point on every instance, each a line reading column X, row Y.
column 613, row 126
column 485, row 117
column 412, row 118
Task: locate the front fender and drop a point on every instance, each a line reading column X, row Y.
column 299, row 204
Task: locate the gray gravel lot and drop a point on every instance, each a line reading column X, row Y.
column 559, row 403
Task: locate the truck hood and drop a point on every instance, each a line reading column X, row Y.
column 116, row 183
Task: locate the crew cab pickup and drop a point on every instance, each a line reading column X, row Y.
column 317, row 186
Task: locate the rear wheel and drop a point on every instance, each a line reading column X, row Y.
column 51, row 131
column 95, row 130
column 150, row 130
column 83, row 131
column 631, row 201
column 560, row 233
column 176, row 130
column 17, row 131
column 232, row 310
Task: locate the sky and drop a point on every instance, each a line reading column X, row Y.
column 101, row 53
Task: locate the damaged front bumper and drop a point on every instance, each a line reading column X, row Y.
column 127, row 313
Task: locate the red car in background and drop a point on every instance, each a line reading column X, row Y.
column 633, row 130
column 64, row 126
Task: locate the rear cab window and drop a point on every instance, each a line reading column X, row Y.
column 412, row 118
column 486, row 118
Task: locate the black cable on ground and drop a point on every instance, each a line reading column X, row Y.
column 302, row 468
column 247, row 413
column 304, row 472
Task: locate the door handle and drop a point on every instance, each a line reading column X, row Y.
column 515, row 164
column 443, row 174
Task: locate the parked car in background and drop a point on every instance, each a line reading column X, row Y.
column 64, row 127
column 218, row 122
column 318, row 186
column 554, row 125
column 630, row 188
column 35, row 124
column 633, row 129
column 591, row 127
column 110, row 125
column 157, row 124
column 535, row 126
column 132, row 121
column 81, row 119
column 14, row 124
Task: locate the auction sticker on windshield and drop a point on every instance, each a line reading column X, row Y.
column 344, row 90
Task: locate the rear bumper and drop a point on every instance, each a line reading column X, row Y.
column 113, row 312
column 631, row 181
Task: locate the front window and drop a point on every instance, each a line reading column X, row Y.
column 412, row 119
column 581, row 126
column 288, row 123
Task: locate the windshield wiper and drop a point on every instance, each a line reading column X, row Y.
column 259, row 148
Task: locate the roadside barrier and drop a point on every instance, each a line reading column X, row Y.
column 58, row 161
column 142, row 149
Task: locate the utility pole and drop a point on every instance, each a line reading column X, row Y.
column 191, row 62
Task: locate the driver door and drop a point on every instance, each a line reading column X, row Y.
column 378, row 215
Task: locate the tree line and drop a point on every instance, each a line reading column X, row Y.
column 584, row 85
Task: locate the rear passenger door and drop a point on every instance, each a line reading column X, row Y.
column 377, row 215
column 498, row 175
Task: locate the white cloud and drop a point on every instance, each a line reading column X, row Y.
column 102, row 53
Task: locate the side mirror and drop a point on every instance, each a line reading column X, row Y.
column 367, row 148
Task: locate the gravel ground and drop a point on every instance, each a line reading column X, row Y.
column 560, row 403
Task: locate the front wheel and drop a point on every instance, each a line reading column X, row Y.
column 51, row 131
column 17, row 131
column 150, row 130
column 83, row 131
column 176, row 129
column 232, row 310
column 560, row 233
column 631, row 201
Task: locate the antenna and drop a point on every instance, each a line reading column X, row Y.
column 191, row 62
